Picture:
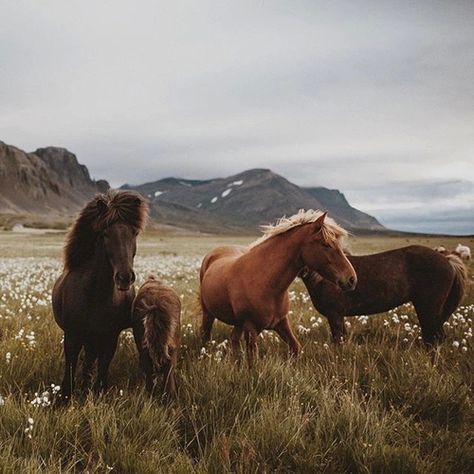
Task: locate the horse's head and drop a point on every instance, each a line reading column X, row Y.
column 122, row 225
column 322, row 252
column 120, row 245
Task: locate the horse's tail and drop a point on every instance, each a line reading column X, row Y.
column 161, row 325
column 460, row 284
column 461, row 275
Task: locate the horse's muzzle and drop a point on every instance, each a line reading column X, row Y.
column 124, row 280
column 348, row 285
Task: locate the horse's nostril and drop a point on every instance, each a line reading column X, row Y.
column 347, row 285
column 125, row 278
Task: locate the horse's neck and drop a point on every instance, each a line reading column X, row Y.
column 279, row 260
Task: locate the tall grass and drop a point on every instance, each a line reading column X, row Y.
column 379, row 403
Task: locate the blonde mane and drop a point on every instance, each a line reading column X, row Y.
column 331, row 231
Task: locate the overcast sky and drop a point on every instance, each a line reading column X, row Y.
column 375, row 98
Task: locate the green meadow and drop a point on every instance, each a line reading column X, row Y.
column 378, row 403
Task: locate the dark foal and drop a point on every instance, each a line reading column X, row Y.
column 156, row 323
column 92, row 298
column 434, row 283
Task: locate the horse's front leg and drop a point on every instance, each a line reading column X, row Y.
column 338, row 329
column 72, row 347
column 106, row 352
column 235, row 338
column 283, row 329
column 88, row 367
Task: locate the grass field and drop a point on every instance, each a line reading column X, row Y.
column 379, row 403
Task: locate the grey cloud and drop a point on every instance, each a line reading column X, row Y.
column 363, row 96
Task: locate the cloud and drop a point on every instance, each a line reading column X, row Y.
column 353, row 95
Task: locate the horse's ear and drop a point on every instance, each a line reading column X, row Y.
column 101, row 206
column 319, row 222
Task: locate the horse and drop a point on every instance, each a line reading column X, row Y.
column 92, row 298
column 156, row 324
column 463, row 251
column 433, row 282
column 441, row 249
column 247, row 287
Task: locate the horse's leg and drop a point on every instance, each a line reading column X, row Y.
column 206, row 326
column 235, row 338
column 452, row 302
column 89, row 360
column 338, row 330
column 169, row 385
column 251, row 338
column 283, row 329
column 72, row 347
column 107, row 348
column 429, row 316
column 146, row 364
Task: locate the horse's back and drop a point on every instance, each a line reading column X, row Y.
column 221, row 255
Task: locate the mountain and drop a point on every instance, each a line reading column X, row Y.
column 49, row 181
column 244, row 201
column 336, row 202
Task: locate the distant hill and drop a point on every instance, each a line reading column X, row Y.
column 244, row 201
column 47, row 181
column 51, row 182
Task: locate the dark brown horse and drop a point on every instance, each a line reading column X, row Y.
column 92, row 298
column 156, row 324
column 434, row 283
column 246, row 287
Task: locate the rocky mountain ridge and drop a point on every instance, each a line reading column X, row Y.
column 47, row 181
column 51, row 182
column 245, row 200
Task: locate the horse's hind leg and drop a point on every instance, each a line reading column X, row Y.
column 283, row 329
column 169, row 385
column 107, row 348
column 453, row 299
column 145, row 362
column 72, row 347
column 206, row 326
column 430, row 318
column 338, row 330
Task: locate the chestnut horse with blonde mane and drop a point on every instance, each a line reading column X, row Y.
column 247, row 287
column 92, row 298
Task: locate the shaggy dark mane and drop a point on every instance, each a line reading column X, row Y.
column 104, row 210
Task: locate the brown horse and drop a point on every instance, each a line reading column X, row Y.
column 92, row 298
column 246, row 287
column 156, row 327
column 434, row 283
